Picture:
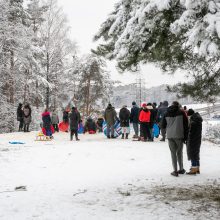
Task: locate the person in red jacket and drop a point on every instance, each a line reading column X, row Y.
column 145, row 120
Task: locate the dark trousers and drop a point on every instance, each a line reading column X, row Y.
column 26, row 127
column 145, row 130
column 56, row 128
column 72, row 132
column 195, row 163
column 21, row 124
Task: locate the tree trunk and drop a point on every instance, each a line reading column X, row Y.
column 48, row 89
column 11, row 78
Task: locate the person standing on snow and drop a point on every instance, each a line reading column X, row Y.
column 194, row 141
column 27, row 117
column 145, row 120
column 47, row 123
column 175, row 122
column 160, row 114
column 20, row 116
column 55, row 120
column 110, row 117
column 134, row 119
column 74, row 123
column 124, row 117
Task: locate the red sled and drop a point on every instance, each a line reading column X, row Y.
column 92, row 132
column 63, row 126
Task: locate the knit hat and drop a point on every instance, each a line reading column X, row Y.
column 133, row 103
column 190, row 112
column 144, row 104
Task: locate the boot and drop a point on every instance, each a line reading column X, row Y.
column 108, row 136
column 113, row 136
column 122, row 136
column 192, row 171
column 126, row 136
column 175, row 173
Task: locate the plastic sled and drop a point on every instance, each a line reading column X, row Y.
column 16, row 142
column 63, row 126
column 117, row 129
column 156, row 130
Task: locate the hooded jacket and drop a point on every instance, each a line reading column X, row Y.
column 161, row 111
column 176, row 123
column 74, row 119
column 194, row 137
column 134, row 114
column 110, row 115
column 46, row 120
column 124, row 116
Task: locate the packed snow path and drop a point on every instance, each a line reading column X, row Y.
column 99, row 178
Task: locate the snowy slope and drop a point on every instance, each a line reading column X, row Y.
column 101, row 179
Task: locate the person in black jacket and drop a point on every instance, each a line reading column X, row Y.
column 194, row 141
column 90, row 126
column 20, row 117
column 124, row 116
column 74, row 123
column 134, row 119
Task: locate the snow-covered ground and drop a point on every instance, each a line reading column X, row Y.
column 98, row 179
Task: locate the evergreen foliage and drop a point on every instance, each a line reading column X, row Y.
column 172, row 34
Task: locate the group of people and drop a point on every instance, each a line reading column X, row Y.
column 24, row 117
column 178, row 125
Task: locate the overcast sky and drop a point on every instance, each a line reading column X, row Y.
column 85, row 18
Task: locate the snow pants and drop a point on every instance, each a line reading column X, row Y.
column 72, row 132
column 176, row 149
column 145, row 130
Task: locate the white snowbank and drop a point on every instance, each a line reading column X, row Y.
column 95, row 178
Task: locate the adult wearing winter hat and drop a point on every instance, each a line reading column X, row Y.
column 110, row 117
column 160, row 114
column 74, row 122
column 20, row 116
column 175, row 122
column 144, row 119
column 194, row 141
column 124, row 116
column 134, row 118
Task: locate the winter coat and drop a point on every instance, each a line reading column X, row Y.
column 110, row 115
column 90, row 125
column 46, row 120
column 124, row 116
column 20, row 113
column 74, row 120
column 134, row 114
column 176, row 123
column 144, row 116
column 161, row 111
column 54, row 118
column 100, row 122
column 65, row 116
column 27, row 115
column 194, row 137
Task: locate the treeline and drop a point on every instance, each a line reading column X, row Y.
column 39, row 63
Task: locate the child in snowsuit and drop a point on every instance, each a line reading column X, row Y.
column 194, row 141
column 47, row 124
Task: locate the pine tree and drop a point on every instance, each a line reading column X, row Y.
column 172, row 34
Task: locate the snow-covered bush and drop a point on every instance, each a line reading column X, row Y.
column 212, row 133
